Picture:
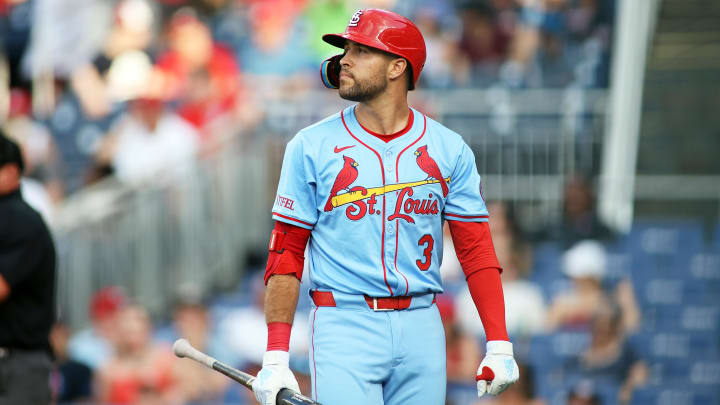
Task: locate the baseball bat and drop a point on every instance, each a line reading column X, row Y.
column 183, row 348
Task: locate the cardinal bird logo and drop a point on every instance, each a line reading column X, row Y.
column 345, row 178
column 428, row 165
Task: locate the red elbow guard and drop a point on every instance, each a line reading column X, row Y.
column 287, row 249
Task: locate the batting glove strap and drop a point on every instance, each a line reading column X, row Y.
column 276, row 358
column 502, row 368
column 274, row 376
column 499, row 347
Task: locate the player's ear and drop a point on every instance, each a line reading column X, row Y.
column 397, row 67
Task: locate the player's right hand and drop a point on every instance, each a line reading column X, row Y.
column 274, row 376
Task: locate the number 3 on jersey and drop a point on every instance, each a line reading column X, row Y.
column 428, row 241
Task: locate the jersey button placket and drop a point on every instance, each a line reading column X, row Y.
column 388, row 161
column 390, row 225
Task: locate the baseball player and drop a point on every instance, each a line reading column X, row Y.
column 370, row 188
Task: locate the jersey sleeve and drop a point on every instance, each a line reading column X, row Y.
column 465, row 201
column 295, row 202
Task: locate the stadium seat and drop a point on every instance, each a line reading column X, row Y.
column 704, row 271
column 677, row 394
column 656, row 291
column 543, row 357
column 663, row 248
column 672, row 345
column 618, row 263
column 547, row 255
column 547, row 269
column 665, row 236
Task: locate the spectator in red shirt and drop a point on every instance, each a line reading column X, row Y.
column 140, row 370
column 200, row 73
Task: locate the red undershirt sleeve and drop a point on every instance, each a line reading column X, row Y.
column 476, row 253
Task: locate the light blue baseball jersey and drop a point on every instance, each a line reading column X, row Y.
column 376, row 209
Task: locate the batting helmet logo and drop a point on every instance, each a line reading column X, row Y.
column 355, row 19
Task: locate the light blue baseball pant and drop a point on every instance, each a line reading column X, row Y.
column 362, row 357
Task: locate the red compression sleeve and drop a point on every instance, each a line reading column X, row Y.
column 473, row 246
column 279, row 336
column 291, row 242
column 486, row 291
column 476, row 253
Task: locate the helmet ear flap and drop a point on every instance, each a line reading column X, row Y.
column 330, row 71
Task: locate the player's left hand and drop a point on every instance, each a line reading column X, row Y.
column 498, row 370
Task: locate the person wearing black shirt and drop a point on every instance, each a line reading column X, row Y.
column 579, row 221
column 27, row 290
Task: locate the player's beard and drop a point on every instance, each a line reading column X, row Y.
column 366, row 90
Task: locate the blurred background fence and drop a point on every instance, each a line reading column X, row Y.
column 151, row 239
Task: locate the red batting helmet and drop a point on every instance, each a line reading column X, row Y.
column 387, row 31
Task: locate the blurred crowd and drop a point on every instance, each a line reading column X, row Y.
column 124, row 357
column 570, row 314
column 92, row 88
column 577, row 298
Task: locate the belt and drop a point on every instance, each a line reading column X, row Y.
column 342, row 300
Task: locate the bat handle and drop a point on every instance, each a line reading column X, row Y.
column 289, row 397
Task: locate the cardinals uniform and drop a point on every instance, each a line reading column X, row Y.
column 370, row 209
column 376, row 211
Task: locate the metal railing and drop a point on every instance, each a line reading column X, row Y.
column 154, row 238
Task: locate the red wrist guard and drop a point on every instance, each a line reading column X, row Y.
column 278, row 336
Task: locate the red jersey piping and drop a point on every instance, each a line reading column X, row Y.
column 448, row 214
column 292, row 219
column 390, row 137
column 312, row 341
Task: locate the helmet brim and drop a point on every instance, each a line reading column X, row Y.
column 338, row 40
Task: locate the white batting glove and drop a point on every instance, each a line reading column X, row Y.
column 498, row 370
column 274, row 376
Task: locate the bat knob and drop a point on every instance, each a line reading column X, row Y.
column 182, row 347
